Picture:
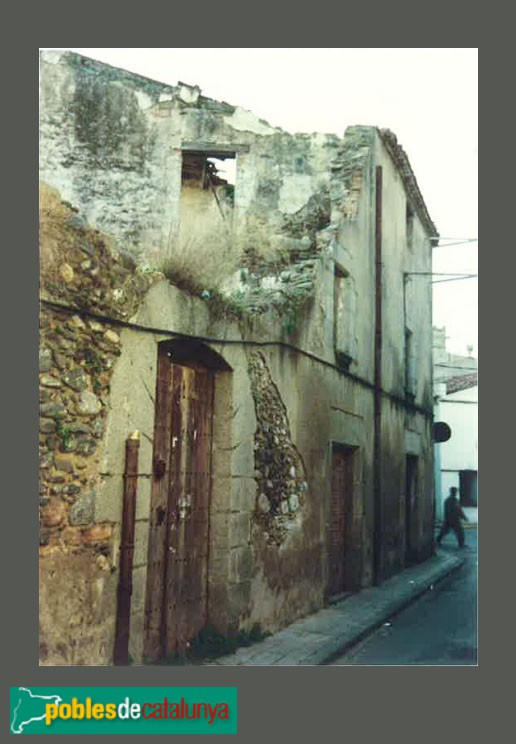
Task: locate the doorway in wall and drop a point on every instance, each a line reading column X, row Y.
column 177, row 573
column 341, row 514
column 468, row 488
column 411, row 486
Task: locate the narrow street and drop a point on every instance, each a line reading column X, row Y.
column 438, row 629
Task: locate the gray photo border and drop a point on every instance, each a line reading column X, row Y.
column 305, row 704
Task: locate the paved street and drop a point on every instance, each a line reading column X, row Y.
column 438, row 629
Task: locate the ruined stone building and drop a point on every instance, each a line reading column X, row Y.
column 249, row 313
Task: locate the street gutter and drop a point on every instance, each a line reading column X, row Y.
column 318, row 639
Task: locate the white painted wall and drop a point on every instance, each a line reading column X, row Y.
column 460, row 411
column 460, row 452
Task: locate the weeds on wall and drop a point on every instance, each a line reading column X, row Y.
column 211, row 644
column 202, row 258
column 240, row 274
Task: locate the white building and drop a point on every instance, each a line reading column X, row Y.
column 456, row 404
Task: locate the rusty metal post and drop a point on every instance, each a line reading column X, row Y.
column 125, row 580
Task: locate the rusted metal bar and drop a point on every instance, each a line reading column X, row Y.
column 125, row 581
column 377, row 536
column 171, row 585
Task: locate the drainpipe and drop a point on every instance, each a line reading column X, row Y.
column 377, row 468
column 125, row 581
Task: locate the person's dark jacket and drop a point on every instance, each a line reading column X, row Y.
column 452, row 511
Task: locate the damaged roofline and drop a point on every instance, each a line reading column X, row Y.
column 96, row 64
column 389, row 139
column 402, row 163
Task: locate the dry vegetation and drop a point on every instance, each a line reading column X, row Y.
column 202, row 258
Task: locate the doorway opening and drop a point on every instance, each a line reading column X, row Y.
column 411, row 487
column 468, row 488
column 340, row 569
column 176, row 605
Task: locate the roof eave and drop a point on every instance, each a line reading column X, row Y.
column 402, row 163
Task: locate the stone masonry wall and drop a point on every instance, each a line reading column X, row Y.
column 280, row 472
column 76, row 359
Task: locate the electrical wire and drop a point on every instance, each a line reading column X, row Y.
column 228, row 341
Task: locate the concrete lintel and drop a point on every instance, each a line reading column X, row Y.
column 215, row 149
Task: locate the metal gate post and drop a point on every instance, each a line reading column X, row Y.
column 125, row 581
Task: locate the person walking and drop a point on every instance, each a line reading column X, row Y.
column 452, row 518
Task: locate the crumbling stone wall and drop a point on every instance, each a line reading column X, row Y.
column 280, row 472
column 349, row 169
column 79, row 269
column 112, row 143
column 75, row 362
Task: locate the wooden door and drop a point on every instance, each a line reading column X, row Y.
column 411, row 486
column 176, row 601
column 338, row 528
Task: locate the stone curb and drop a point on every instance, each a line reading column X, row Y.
column 319, row 638
column 400, row 603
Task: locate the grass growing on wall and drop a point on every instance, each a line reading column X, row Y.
column 202, row 258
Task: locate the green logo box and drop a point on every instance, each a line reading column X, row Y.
column 123, row 710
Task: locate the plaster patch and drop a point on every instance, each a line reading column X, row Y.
column 188, row 93
column 144, row 101
column 295, row 191
column 245, row 121
column 52, row 56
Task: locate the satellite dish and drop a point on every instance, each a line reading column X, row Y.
column 442, row 432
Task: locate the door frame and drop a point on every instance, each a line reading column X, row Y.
column 349, row 495
column 412, row 477
column 181, row 353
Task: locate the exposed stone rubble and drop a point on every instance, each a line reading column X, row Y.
column 76, row 359
column 348, row 169
column 84, row 268
column 279, row 469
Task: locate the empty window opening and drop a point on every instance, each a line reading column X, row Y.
column 205, row 251
column 410, row 364
column 343, row 318
column 213, row 172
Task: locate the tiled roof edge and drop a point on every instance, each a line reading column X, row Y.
column 400, row 159
column 461, row 382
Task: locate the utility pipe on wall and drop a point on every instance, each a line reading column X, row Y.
column 377, row 531
column 125, row 580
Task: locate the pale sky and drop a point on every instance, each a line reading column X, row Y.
column 428, row 97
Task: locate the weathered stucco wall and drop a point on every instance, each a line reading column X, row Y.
column 112, row 143
column 294, row 325
column 406, row 289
